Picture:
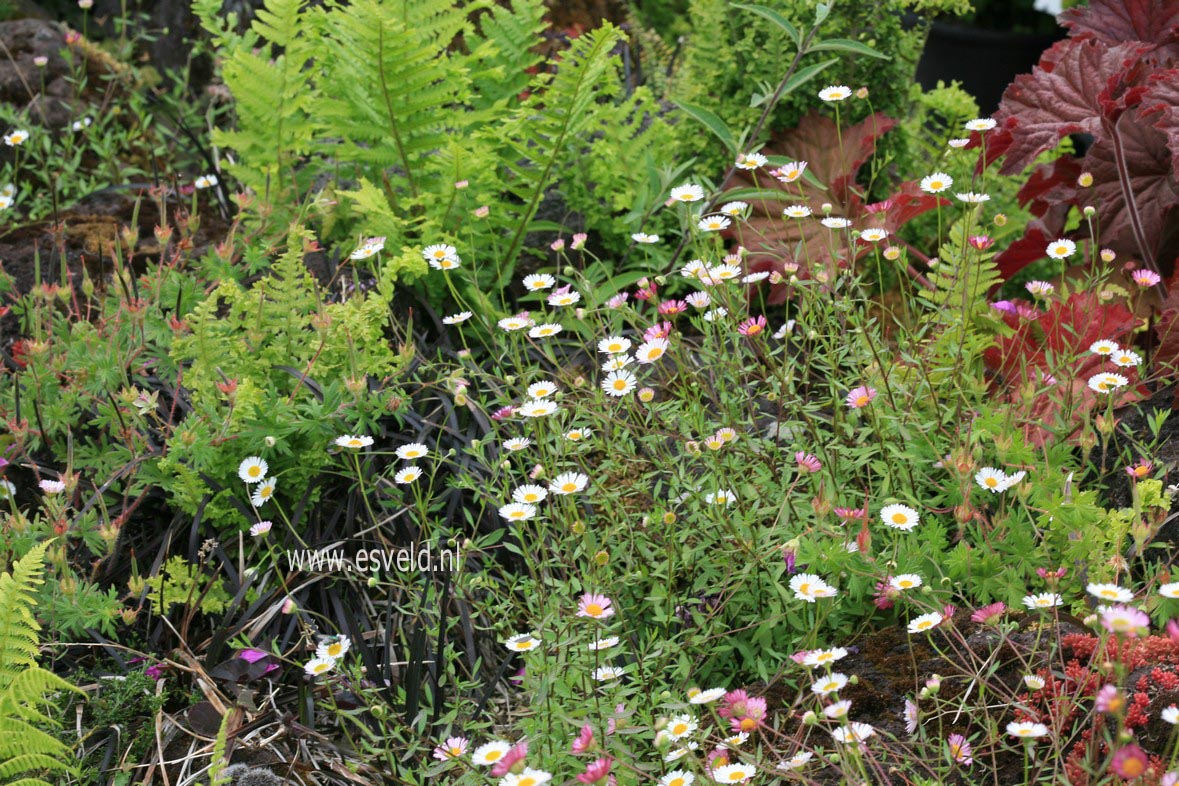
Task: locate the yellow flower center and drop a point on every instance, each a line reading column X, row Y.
column 862, row 401
column 676, row 782
column 679, row 728
column 906, row 584
column 353, row 443
column 265, row 492
column 991, row 482
column 654, row 353
column 753, row 330
column 529, row 781
column 955, row 749
column 494, row 755
column 737, row 775
column 1061, row 250
column 254, row 471
column 595, row 610
column 569, row 488
column 334, row 650
column 924, row 624
column 899, row 518
column 620, row 384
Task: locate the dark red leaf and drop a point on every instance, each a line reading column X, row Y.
column 1160, row 106
column 1151, row 185
column 1117, row 21
column 1076, row 84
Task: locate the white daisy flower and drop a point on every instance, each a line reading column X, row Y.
column 835, row 93
column 726, row 272
column 713, row 223
column 517, row 511
column 412, row 450
column 650, row 351
column 529, row 494
column 958, row 144
column 980, row 124
column 677, row 778
column 489, row 753
column 733, row 773
column 439, row 252
column 796, row 211
column 824, row 657
column 680, row 726
column 753, row 278
column 1170, row 590
column 603, row 644
column 527, row 777
column 1032, row 682
column 608, row 673
column 318, row 666
column 992, row 479
column 539, row 281
column 853, row 734
column 1170, row 715
column 1107, row 382
column 685, row 193
column 973, row 198
column 335, row 647
column 874, row 234
column 1125, row 358
column 900, row 517
column 455, row 319
column 721, row 497
column 837, row 710
column 567, row 298
column 617, row 362
column 522, row 642
column 796, row 761
column 619, row 383
column 715, row 314
column 612, row 345
column 832, row 683
column 537, row 408
column 1045, row 600
column 516, row 443
column 263, row 492
column 936, row 183
column 707, row 696
column 835, row 222
column 354, row 441
column 407, row 475
column 1027, row 730
column 569, row 483
column 1061, row 249
column 905, row 581
column 734, row 209
column 1103, row 347
column 545, row 331
column 643, row 237
column 694, row 269
column 252, row 469
column 748, row 161
column 205, row 181
column 1110, row 592
column 925, row 622
column 261, row 528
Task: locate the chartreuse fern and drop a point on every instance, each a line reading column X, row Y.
column 26, row 749
column 408, row 116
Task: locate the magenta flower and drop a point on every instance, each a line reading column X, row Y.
column 885, row 594
column 1130, row 762
column 1109, row 699
column 509, row 760
column 789, row 557
column 584, row 740
column 669, row 308
column 733, row 704
column 596, row 771
column 503, row 413
column 751, row 327
column 960, row 750
column 1125, row 620
column 848, row 514
column 912, row 715
column 596, row 606
column 1004, row 306
column 990, row 614
column 579, row 239
column 807, row 462
column 617, row 301
column 1140, row 470
column 658, row 330
column 1146, row 278
column 860, row 397
column 981, row 242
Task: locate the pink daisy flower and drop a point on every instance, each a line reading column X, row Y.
column 1146, row 278
column 960, row 750
column 751, row 327
column 509, row 760
column 596, row 771
column 807, row 462
column 451, row 749
column 596, row 606
column 584, row 740
column 669, row 308
column 860, row 397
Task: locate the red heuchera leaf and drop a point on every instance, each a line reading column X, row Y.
column 1160, row 106
column 772, row 240
column 1148, row 172
column 1076, row 84
column 1114, row 21
column 1057, row 343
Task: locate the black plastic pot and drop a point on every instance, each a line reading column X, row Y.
column 984, row 61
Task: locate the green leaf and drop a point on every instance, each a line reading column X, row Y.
column 712, row 123
column 821, row 12
column 847, row 45
column 804, row 75
column 775, row 17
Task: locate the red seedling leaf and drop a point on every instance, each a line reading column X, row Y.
column 1117, row 21
column 1160, row 106
column 1076, row 84
column 1151, row 185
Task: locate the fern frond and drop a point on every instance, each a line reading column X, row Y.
column 26, row 748
column 537, row 142
column 503, row 52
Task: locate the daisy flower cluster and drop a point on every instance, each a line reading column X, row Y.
column 328, row 654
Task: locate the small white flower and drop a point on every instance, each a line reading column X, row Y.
column 936, row 183
column 517, row 511
column 958, row 144
column 980, row 124
column 925, row 622
column 608, row 673
column 1171, row 715
column 407, row 475
column 529, row 494
column 1106, row 382
column 603, row 644
column 973, row 198
column 354, row 441
column 707, row 696
column 1061, row 249
column 455, row 319
column 568, row 483
column 516, row 443
column 319, row 666
column 205, row 181
column 439, row 253
column 713, row 223
column 1125, row 358
column 261, row 528
column 489, row 753
column 734, row 208
column 796, row 211
column 545, row 331
column 1103, row 347
column 1110, row 592
column 334, row 647
column 1044, row 600
column 835, row 222
column 685, row 193
column 78, row 125
column 900, row 517
column 1033, row 683
column 749, row 161
column 537, row 408
column 905, row 581
column 263, row 492
column 411, row 451
column 522, row 642
column 643, row 237
column 680, row 726
column 539, row 281
column 874, row 234
column 252, row 469
column 835, row 93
